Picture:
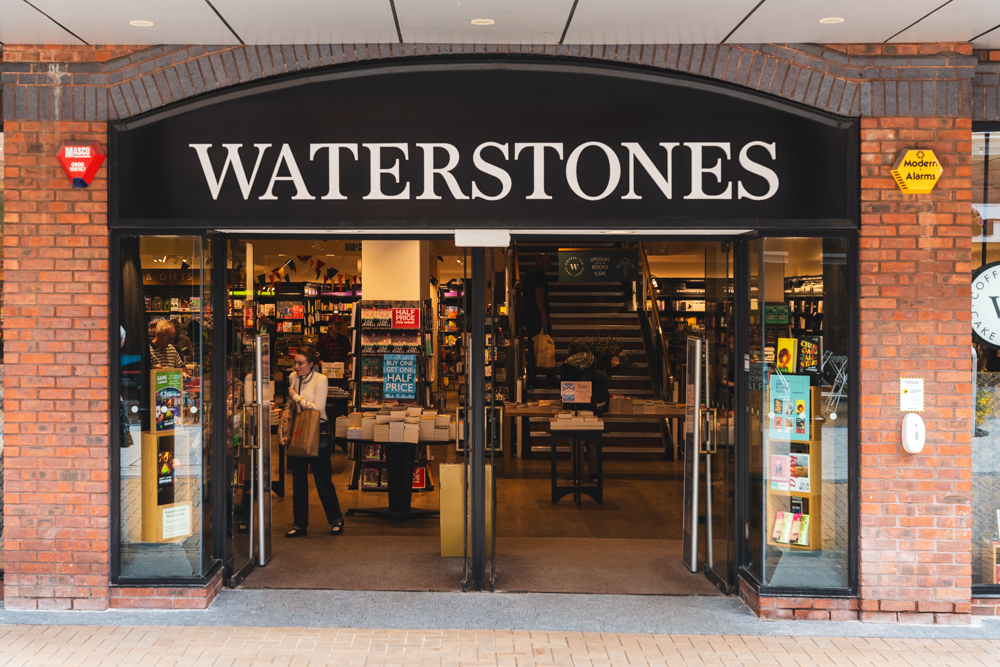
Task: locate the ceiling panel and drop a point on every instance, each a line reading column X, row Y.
column 958, row 21
column 797, row 21
column 107, row 21
column 310, row 21
column 450, row 21
column 21, row 24
column 656, row 21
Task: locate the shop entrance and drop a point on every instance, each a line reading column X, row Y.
column 635, row 330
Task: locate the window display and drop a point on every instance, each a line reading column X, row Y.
column 164, row 340
column 800, row 416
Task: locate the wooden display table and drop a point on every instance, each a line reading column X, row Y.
column 513, row 411
column 577, row 438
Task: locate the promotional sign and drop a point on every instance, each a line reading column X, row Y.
column 917, row 171
column 673, row 151
column 166, row 470
column 405, row 318
column 986, row 305
column 576, row 392
column 399, row 376
column 789, row 412
column 601, row 265
column 81, row 162
column 167, row 387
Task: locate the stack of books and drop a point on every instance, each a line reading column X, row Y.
column 582, row 421
column 396, row 431
column 341, row 426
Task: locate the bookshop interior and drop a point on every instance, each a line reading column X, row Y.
column 611, row 386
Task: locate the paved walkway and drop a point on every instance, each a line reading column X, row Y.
column 72, row 646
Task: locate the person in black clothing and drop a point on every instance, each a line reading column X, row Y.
column 535, row 314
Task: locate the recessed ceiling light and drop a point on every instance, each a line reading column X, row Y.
column 141, row 24
column 832, row 19
column 483, row 21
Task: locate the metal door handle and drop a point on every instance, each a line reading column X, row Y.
column 251, row 415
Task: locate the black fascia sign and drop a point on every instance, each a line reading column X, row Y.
column 491, row 142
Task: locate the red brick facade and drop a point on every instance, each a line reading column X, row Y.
column 915, row 562
column 56, row 536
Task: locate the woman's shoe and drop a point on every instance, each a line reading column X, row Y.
column 338, row 528
column 296, row 532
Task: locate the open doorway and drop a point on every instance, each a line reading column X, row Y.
column 627, row 330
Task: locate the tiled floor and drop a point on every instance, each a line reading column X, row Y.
column 70, row 646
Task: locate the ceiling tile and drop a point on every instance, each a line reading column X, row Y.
column 450, row 21
column 958, row 21
column 107, row 21
column 310, row 21
column 655, row 21
column 797, row 21
column 22, row 24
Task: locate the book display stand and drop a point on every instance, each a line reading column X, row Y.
column 795, row 473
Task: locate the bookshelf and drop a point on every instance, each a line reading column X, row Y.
column 785, row 491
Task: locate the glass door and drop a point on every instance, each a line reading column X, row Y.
column 719, row 397
column 248, row 422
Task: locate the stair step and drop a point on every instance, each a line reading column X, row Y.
column 603, row 316
column 607, row 450
column 608, row 434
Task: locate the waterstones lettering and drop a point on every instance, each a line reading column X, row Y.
column 235, row 165
column 511, row 142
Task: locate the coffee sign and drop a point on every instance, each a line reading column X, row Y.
column 986, row 305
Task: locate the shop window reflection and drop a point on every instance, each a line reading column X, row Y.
column 800, row 412
column 986, row 430
column 165, row 318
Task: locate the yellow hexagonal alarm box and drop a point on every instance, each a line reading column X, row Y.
column 917, row 171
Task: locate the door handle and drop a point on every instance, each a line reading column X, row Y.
column 251, row 419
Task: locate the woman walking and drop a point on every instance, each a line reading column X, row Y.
column 307, row 389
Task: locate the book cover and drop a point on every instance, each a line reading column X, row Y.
column 778, row 523
column 803, row 540
column 175, row 303
column 786, row 356
column 796, row 529
column 798, row 472
column 786, row 527
column 779, row 472
column 809, row 354
column 157, row 303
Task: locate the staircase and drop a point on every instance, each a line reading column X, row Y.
column 585, row 310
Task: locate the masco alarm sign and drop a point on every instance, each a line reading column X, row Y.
column 81, row 162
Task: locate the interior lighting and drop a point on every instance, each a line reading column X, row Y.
column 832, row 19
column 483, row 21
column 141, row 24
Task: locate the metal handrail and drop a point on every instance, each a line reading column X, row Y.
column 657, row 322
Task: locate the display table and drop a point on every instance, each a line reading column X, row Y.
column 513, row 411
column 577, row 438
column 399, row 459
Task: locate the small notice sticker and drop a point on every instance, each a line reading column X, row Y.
column 911, row 394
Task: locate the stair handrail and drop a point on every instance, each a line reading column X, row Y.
column 514, row 319
column 656, row 323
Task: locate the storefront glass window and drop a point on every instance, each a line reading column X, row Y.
column 800, row 414
column 986, row 436
column 164, row 340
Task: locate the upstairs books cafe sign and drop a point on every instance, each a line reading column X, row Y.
column 512, row 143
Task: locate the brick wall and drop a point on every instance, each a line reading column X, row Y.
column 166, row 598
column 56, row 374
column 915, row 322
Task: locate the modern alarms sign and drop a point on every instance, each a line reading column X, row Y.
column 494, row 142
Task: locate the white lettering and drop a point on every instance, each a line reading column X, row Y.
column 294, row 175
column 756, row 168
column 232, row 158
column 491, row 169
column 377, row 171
column 614, row 168
column 635, row 152
column 334, row 168
column 445, row 172
column 698, row 171
column 538, row 149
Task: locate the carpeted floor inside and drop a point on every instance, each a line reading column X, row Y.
column 414, row 563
